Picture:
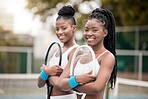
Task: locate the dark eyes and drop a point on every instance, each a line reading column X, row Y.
column 63, row 28
column 56, row 29
column 92, row 30
column 86, row 30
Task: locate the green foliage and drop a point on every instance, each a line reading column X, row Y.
column 43, row 8
column 46, row 8
column 128, row 12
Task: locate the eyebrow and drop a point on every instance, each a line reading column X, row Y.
column 92, row 27
column 61, row 26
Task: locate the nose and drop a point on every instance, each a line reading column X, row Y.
column 89, row 33
column 59, row 31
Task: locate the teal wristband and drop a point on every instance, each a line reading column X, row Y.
column 43, row 75
column 72, row 82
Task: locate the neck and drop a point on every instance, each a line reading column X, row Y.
column 98, row 49
column 69, row 43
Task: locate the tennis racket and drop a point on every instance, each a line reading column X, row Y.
column 84, row 62
column 53, row 50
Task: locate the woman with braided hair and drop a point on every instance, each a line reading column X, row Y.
column 99, row 33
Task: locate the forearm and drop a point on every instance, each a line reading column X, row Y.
column 67, row 84
column 54, row 80
column 93, row 88
column 64, row 85
column 61, row 83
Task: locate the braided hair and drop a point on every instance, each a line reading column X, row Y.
column 67, row 13
column 107, row 19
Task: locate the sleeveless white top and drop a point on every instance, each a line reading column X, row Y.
column 85, row 68
column 55, row 59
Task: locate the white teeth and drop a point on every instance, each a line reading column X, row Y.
column 90, row 39
column 61, row 37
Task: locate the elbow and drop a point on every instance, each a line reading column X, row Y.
column 40, row 85
column 97, row 90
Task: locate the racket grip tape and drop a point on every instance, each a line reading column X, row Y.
column 72, row 82
column 43, row 75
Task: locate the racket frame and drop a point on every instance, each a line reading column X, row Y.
column 74, row 56
column 45, row 62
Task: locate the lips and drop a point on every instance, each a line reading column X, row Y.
column 90, row 39
column 61, row 37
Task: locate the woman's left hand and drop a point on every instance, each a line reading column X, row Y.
column 85, row 78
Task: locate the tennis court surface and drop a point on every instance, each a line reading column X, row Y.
column 24, row 86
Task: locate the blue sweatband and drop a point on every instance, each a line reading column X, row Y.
column 43, row 75
column 72, row 82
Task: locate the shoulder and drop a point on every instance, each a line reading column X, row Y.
column 72, row 51
column 109, row 55
column 108, row 59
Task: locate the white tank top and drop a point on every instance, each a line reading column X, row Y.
column 55, row 59
column 85, row 68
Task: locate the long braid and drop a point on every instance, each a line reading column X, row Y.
column 106, row 17
column 110, row 44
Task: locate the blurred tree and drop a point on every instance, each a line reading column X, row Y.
column 128, row 12
column 46, row 8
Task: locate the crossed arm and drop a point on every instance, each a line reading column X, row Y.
column 54, row 70
column 86, row 81
column 106, row 67
column 62, row 81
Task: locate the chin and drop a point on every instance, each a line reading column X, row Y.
column 90, row 44
column 62, row 41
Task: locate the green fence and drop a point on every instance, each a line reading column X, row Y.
column 16, row 59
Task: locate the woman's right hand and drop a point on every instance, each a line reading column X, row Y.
column 85, row 78
column 55, row 70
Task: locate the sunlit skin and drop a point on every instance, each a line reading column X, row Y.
column 64, row 30
column 94, row 33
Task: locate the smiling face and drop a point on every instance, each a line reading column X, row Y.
column 94, row 32
column 64, row 30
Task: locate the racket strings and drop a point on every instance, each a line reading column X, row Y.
column 86, row 58
column 83, row 62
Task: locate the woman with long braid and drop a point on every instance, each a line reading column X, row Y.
column 99, row 33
